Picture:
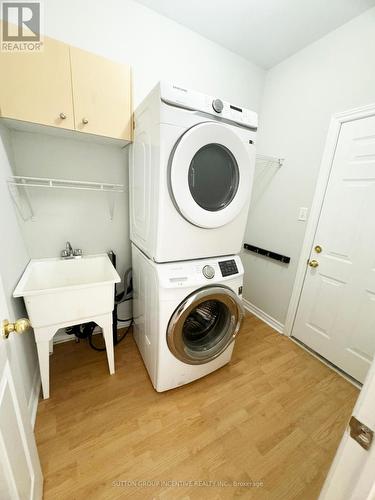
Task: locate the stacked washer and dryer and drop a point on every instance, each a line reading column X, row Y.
column 191, row 174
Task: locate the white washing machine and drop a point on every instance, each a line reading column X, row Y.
column 191, row 175
column 186, row 316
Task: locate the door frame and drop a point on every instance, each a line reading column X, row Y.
column 337, row 120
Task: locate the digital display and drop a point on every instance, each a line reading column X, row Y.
column 235, row 108
column 228, row 267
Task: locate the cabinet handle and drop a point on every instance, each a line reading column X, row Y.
column 85, row 121
column 62, row 116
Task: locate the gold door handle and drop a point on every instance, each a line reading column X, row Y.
column 318, row 249
column 85, row 121
column 20, row 326
column 313, row 263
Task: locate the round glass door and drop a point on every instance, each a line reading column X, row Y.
column 210, row 174
column 213, row 177
column 204, row 325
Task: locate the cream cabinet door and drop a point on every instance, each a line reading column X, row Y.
column 101, row 95
column 36, row 87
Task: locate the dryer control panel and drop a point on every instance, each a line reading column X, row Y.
column 195, row 101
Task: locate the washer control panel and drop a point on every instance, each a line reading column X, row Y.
column 200, row 272
column 208, row 272
column 228, row 267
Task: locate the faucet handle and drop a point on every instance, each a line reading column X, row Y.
column 64, row 254
column 77, row 253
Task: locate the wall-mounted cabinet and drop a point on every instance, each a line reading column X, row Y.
column 36, row 87
column 101, row 95
column 68, row 88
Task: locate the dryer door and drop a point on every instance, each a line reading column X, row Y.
column 210, row 174
column 204, row 325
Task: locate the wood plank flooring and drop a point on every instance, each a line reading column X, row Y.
column 274, row 415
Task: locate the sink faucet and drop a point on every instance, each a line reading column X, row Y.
column 69, row 253
column 69, row 249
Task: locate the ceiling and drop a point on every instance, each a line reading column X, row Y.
column 263, row 31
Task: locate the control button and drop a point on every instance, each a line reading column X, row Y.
column 208, row 272
column 218, row 105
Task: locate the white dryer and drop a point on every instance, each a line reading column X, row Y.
column 191, row 175
column 186, row 316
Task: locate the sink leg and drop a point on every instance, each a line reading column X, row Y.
column 105, row 322
column 43, row 356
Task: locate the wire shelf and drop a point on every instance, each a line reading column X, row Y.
column 20, row 184
column 41, row 182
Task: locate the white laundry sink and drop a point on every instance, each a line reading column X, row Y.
column 56, row 291
column 60, row 293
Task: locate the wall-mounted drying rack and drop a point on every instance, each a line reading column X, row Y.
column 270, row 160
column 267, row 253
column 19, row 183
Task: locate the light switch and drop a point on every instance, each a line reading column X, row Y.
column 302, row 215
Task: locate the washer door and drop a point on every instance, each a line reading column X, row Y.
column 204, row 325
column 210, row 175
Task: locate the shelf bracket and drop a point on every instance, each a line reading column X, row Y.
column 28, row 200
column 15, row 193
column 111, row 204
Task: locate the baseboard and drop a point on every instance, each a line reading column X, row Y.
column 272, row 322
column 34, row 396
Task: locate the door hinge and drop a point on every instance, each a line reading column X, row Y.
column 361, row 433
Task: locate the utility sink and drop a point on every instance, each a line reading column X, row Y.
column 57, row 290
column 60, row 293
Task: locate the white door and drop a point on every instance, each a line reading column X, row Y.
column 336, row 312
column 352, row 476
column 211, row 174
column 20, row 472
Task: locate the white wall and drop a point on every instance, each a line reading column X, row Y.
column 156, row 48
column 333, row 74
column 81, row 217
column 13, row 260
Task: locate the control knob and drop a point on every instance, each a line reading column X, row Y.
column 218, row 105
column 208, row 272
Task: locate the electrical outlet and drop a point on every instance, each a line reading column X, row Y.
column 302, row 214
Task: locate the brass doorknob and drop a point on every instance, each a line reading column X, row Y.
column 85, row 121
column 62, row 116
column 318, row 249
column 20, row 326
column 313, row 263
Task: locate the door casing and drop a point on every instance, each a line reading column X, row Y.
column 337, row 120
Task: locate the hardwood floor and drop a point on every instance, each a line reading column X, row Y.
column 275, row 414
